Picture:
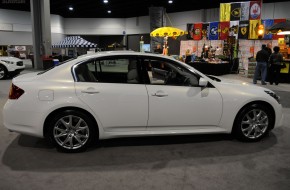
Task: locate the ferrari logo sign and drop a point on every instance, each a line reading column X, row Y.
column 243, row 30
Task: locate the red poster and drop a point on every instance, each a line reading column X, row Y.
column 275, row 36
column 224, row 30
column 255, row 10
column 197, row 33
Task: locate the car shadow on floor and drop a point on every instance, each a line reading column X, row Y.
column 34, row 154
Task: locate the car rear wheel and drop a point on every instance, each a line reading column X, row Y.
column 72, row 131
column 3, row 72
column 253, row 123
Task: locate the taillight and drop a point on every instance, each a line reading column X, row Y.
column 15, row 92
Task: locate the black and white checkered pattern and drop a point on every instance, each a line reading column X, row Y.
column 74, row 41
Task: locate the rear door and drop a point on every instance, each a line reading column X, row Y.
column 114, row 93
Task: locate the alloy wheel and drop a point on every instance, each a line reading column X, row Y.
column 254, row 123
column 71, row 132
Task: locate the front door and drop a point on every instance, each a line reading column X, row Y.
column 177, row 102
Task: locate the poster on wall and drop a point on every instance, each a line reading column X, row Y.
column 197, row 33
column 255, row 10
column 244, row 29
column 189, row 31
column 253, row 29
column 213, row 31
column 20, row 48
column 205, row 27
column 224, row 30
column 267, row 24
column 245, row 10
column 225, row 12
column 235, row 11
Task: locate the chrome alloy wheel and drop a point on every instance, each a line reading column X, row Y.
column 254, row 123
column 71, row 132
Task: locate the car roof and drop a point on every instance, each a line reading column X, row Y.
column 118, row 53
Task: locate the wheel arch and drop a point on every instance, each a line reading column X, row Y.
column 55, row 112
column 266, row 104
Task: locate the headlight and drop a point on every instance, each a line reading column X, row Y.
column 274, row 96
column 8, row 62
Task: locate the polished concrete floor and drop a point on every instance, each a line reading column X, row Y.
column 178, row 162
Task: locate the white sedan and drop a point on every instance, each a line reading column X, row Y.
column 124, row 94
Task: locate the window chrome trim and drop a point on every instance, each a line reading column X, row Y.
column 73, row 68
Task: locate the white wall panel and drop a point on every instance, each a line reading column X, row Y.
column 137, row 25
column 94, row 26
column 180, row 19
column 15, row 38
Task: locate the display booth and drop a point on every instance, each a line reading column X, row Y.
column 73, row 46
column 227, row 45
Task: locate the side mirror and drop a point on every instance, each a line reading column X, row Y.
column 203, row 82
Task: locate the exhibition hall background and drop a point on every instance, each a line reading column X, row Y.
column 16, row 27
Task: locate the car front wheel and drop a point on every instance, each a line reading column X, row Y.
column 72, row 131
column 253, row 123
column 3, row 72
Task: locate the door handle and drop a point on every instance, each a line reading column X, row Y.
column 160, row 94
column 90, row 90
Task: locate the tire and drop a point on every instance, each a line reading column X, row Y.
column 253, row 123
column 72, row 131
column 3, row 72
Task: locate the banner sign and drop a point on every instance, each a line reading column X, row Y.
column 243, row 29
column 245, row 10
column 225, row 12
column 235, row 11
column 197, row 33
column 255, row 10
column 213, row 31
column 224, row 30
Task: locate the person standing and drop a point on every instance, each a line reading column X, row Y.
column 262, row 58
column 275, row 61
column 158, row 49
column 269, row 48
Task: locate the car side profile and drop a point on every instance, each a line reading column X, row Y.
column 125, row 94
column 10, row 66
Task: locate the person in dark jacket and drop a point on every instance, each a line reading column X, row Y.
column 275, row 62
column 262, row 58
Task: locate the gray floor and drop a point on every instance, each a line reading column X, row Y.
column 183, row 162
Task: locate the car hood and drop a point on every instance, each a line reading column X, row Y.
column 238, row 84
column 25, row 77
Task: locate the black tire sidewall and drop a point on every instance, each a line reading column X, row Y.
column 5, row 71
column 88, row 120
column 237, row 131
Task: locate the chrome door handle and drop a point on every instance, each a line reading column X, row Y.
column 90, row 91
column 160, row 94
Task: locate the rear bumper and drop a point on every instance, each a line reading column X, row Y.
column 18, row 120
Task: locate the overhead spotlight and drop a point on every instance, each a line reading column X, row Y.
column 109, row 11
column 170, row 1
column 106, row 1
column 70, row 8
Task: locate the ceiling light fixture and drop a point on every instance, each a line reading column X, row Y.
column 70, row 8
column 170, row 1
column 106, row 1
column 109, row 11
